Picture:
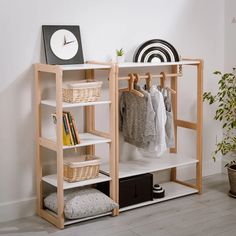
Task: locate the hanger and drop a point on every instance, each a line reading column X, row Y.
column 148, row 81
column 137, row 78
column 163, row 78
column 131, row 85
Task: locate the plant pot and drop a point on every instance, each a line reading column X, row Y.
column 120, row 59
column 232, row 180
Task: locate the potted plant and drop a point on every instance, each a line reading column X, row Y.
column 120, row 55
column 226, row 114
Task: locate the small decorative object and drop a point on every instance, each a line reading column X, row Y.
column 120, row 55
column 156, row 50
column 226, row 114
column 62, row 44
column 158, row 191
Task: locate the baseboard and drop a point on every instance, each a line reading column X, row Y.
column 17, row 209
column 211, row 167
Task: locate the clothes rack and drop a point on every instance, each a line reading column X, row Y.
column 148, row 77
column 173, row 160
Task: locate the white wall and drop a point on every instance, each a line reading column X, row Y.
column 230, row 35
column 230, row 48
column 195, row 28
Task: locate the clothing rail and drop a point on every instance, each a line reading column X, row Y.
column 148, row 78
column 153, row 76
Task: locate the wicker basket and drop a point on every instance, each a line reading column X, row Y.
column 84, row 91
column 81, row 168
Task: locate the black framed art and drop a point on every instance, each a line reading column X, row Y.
column 62, row 44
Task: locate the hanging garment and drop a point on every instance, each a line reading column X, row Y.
column 158, row 146
column 169, row 126
column 137, row 119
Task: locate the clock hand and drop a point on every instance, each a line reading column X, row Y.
column 69, row 42
column 64, row 40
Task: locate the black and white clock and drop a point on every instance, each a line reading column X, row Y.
column 62, row 44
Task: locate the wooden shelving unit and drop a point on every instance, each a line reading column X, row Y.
column 175, row 188
column 114, row 169
column 88, row 139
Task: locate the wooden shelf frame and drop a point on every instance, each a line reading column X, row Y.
column 113, row 135
column 57, row 145
column 176, row 69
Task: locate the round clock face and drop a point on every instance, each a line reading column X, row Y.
column 64, row 44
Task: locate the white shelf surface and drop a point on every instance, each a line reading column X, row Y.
column 69, row 222
column 83, row 67
column 151, row 64
column 52, row 103
column 86, row 139
column 172, row 190
column 52, row 179
column 147, row 165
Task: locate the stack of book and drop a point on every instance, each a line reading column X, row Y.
column 70, row 132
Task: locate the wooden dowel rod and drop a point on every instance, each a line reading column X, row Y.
column 186, row 184
column 153, row 76
column 186, row 124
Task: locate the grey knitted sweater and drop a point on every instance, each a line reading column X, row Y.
column 137, row 118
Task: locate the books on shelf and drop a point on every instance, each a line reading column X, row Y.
column 70, row 132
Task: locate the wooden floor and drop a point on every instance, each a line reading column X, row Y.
column 211, row 214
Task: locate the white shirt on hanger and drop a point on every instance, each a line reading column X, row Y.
column 157, row 147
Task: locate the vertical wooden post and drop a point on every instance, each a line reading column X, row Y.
column 174, row 85
column 90, row 115
column 60, row 192
column 114, row 183
column 37, row 135
column 199, row 125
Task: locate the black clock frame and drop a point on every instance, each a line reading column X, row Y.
column 51, row 58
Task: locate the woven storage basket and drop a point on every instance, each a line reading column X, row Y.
column 81, row 168
column 84, row 91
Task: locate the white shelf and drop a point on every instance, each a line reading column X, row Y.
column 52, row 103
column 86, row 139
column 83, row 67
column 69, row 222
column 172, row 190
column 147, row 165
column 52, row 179
column 151, row 64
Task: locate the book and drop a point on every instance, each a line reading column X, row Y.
column 65, row 134
column 76, row 131
column 68, row 126
column 72, row 128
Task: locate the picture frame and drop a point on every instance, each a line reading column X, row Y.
column 62, row 44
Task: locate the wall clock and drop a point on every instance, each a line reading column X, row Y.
column 62, row 44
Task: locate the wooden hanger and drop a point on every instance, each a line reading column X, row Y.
column 137, row 78
column 148, row 81
column 163, row 78
column 131, row 86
